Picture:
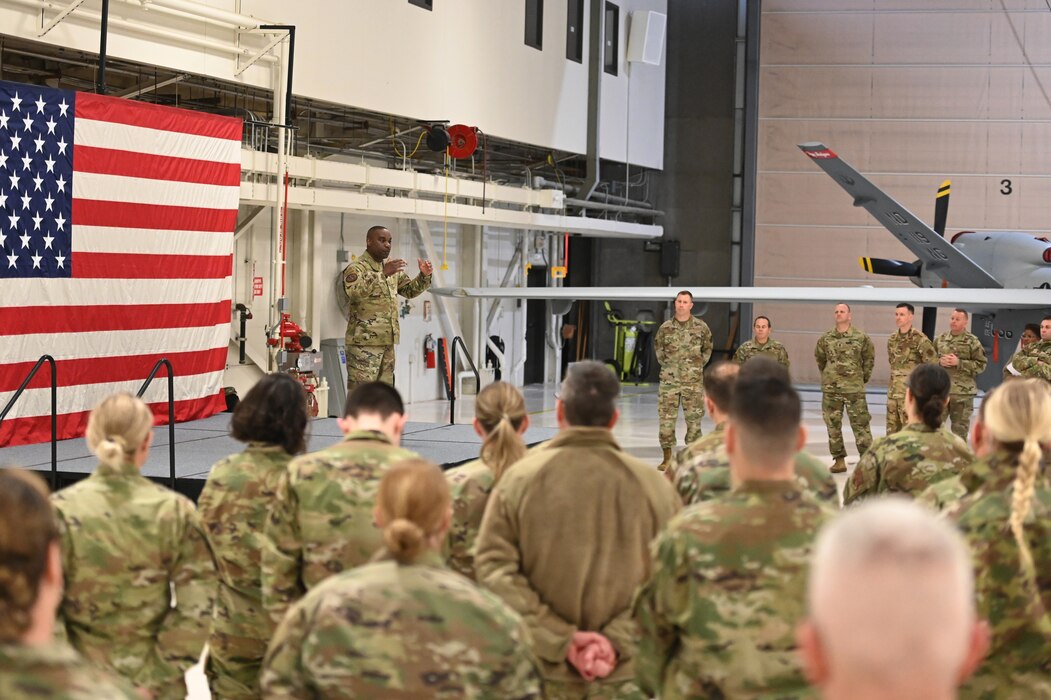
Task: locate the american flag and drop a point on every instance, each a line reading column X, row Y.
column 116, row 238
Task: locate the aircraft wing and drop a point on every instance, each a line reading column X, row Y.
column 973, row 299
column 936, row 253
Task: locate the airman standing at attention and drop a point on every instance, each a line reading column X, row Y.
column 372, row 287
column 845, row 356
column 1035, row 359
column 564, row 542
column 140, row 579
column 321, row 519
column 762, row 344
column 272, row 420
column 963, row 357
column 905, row 349
column 891, row 612
column 500, row 419
column 683, row 346
column 1007, row 523
column 918, row 455
column 701, row 471
column 1030, row 334
column 728, row 574
column 402, row 625
column 33, row 663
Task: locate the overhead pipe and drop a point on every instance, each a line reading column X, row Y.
column 602, row 206
column 137, row 27
column 200, row 11
column 540, row 182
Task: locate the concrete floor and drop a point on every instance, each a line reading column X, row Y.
column 636, row 431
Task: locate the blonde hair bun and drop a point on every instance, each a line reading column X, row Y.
column 117, row 428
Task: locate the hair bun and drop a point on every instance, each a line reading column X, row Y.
column 404, row 540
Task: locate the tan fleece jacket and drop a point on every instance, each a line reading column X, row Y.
column 565, row 541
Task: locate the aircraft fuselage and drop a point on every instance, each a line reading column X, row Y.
column 1014, row 258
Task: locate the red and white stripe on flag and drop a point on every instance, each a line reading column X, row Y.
column 154, row 195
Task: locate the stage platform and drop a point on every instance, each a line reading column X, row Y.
column 200, row 444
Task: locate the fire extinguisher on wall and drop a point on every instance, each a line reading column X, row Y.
column 429, row 356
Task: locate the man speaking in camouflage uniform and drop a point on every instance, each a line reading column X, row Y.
column 372, row 287
column 845, row 356
column 905, row 349
column 963, row 357
column 683, row 346
column 762, row 344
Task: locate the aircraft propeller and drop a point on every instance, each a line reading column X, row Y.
column 900, row 268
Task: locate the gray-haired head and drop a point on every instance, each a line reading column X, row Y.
column 589, row 394
column 891, row 600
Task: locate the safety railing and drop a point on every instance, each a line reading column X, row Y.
column 164, row 362
column 449, row 374
column 54, row 410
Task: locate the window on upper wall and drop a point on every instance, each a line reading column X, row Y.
column 575, row 31
column 611, row 40
column 534, row 23
column 425, row 4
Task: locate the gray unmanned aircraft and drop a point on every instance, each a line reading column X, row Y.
column 1003, row 278
column 991, row 261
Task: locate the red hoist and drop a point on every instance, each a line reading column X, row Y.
column 302, row 363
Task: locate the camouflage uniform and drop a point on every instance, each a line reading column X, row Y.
column 703, row 472
column 772, row 349
column 233, row 506
column 904, row 352
column 469, row 485
column 711, row 445
column 682, row 350
column 845, row 360
column 372, row 328
column 387, row 630
column 321, row 519
column 971, row 355
column 130, row 548
column 564, row 543
column 1016, row 603
column 57, row 671
column 717, row 613
column 907, row 462
column 1034, row 360
column 947, row 493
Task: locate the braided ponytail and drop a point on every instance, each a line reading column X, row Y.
column 27, row 528
column 1018, row 413
column 1022, row 498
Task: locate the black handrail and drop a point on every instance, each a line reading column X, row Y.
column 452, row 377
column 171, row 410
column 54, row 410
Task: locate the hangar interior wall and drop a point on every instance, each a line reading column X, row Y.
column 909, row 92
